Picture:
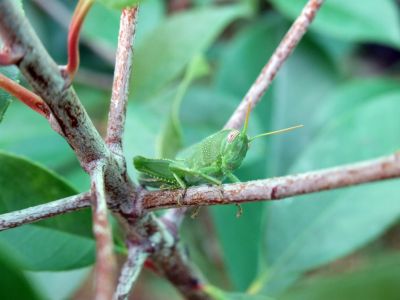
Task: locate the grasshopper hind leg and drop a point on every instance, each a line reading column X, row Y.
column 183, row 186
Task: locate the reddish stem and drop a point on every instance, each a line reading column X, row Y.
column 79, row 15
column 25, row 95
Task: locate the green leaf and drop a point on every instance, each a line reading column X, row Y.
column 5, row 98
column 217, row 294
column 119, row 4
column 13, row 283
column 170, row 140
column 378, row 280
column 25, row 132
column 48, row 244
column 164, row 54
column 356, row 20
column 305, row 233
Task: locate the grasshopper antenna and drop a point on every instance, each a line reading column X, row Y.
column 246, row 120
column 274, row 132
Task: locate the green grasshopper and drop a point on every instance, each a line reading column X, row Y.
column 209, row 161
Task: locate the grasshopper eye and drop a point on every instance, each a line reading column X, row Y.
column 232, row 135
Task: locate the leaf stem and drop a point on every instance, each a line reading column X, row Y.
column 24, row 95
column 78, row 17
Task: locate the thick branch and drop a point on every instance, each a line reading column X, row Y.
column 44, row 211
column 130, row 271
column 105, row 259
column 285, row 48
column 122, row 72
column 280, row 187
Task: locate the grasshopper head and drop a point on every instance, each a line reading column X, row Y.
column 237, row 143
column 236, row 146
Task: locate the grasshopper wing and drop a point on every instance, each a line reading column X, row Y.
column 154, row 172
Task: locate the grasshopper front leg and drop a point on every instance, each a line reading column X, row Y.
column 234, row 179
column 183, row 171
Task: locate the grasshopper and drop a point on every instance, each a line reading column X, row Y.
column 210, row 161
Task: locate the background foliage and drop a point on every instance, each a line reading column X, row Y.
column 191, row 69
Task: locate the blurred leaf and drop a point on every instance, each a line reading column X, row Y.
column 45, row 245
column 143, row 124
column 13, row 283
column 356, row 20
column 63, row 284
column 102, row 24
column 171, row 46
column 119, row 4
column 350, row 95
column 25, row 132
column 246, row 53
column 379, row 280
column 170, row 140
column 4, row 103
column 296, row 96
column 218, row 294
column 329, row 225
column 5, row 98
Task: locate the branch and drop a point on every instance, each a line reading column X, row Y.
column 280, row 187
column 44, row 211
column 123, row 70
column 285, row 48
column 130, row 271
column 105, row 260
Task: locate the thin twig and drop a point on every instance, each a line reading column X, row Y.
column 280, row 187
column 285, row 48
column 122, row 73
column 105, row 259
column 44, row 211
column 130, row 271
